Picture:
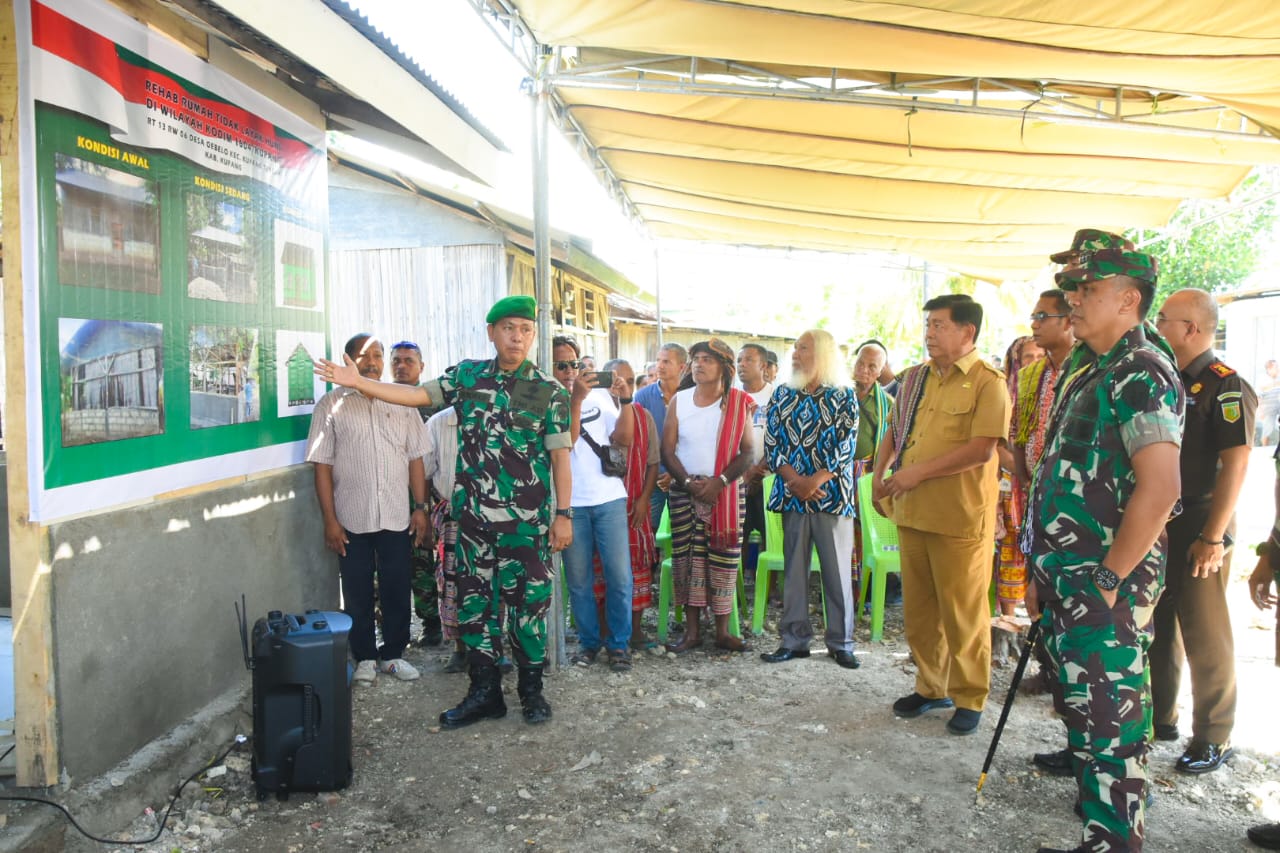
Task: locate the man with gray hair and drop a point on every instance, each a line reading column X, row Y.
column 811, row 427
column 1191, row 619
column 654, row 398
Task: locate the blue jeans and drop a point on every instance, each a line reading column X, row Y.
column 657, row 503
column 601, row 528
column 386, row 553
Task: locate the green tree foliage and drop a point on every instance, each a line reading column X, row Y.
column 1217, row 254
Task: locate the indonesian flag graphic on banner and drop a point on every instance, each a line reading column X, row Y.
column 148, row 107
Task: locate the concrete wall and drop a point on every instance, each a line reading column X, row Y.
column 144, row 626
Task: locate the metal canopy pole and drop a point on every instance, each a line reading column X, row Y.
column 542, row 289
column 657, row 292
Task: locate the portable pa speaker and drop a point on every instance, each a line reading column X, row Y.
column 301, row 702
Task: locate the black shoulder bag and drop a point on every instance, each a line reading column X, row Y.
column 613, row 460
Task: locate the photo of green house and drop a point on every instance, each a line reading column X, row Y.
column 300, row 369
column 299, row 266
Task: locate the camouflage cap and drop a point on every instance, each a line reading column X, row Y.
column 1105, row 263
column 1089, row 240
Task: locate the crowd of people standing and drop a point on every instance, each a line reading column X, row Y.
column 1093, row 483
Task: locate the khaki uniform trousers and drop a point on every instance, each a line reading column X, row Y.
column 947, row 614
column 1193, row 623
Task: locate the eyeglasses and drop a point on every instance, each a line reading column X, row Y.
column 568, row 365
column 1160, row 318
column 1045, row 315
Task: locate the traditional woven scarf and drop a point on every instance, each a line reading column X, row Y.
column 1079, row 364
column 881, row 402
column 643, row 547
column 725, row 528
column 910, row 391
column 1030, row 378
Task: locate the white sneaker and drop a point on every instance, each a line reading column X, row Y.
column 401, row 669
column 366, row 672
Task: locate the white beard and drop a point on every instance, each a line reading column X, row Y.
column 800, row 379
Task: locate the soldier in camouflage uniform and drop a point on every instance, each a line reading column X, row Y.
column 1105, row 487
column 513, row 432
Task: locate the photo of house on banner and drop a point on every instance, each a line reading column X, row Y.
column 297, row 386
column 224, row 376
column 108, row 227
column 299, row 262
column 111, row 380
column 223, row 239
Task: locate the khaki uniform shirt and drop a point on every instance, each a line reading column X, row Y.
column 969, row 401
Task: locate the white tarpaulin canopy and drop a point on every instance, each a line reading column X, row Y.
column 978, row 134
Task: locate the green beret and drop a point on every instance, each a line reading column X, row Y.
column 523, row 307
column 1105, row 263
column 1090, row 240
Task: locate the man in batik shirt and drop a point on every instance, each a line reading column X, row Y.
column 812, row 425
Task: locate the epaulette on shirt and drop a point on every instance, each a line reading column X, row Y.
column 991, row 367
column 1221, row 369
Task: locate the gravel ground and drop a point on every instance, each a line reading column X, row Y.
column 715, row 751
column 710, row 752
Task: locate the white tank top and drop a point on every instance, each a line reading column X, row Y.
column 696, row 438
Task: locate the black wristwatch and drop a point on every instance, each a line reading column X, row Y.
column 419, row 505
column 1105, row 579
column 567, row 513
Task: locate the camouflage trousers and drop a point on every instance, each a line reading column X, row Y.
column 1101, row 655
column 426, row 596
column 497, row 569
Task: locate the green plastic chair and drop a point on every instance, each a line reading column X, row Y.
column 880, row 555
column 662, row 536
column 771, row 560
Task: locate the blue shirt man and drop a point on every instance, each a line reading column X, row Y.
column 654, row 398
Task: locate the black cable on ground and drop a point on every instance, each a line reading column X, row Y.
column 239, row 739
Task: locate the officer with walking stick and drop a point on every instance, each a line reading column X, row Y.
column 1096, row 528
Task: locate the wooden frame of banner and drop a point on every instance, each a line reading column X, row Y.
column 35, row 700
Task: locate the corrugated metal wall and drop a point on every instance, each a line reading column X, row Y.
column 436, row 296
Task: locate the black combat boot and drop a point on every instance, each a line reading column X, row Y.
column 529, row 687
column 482, row 702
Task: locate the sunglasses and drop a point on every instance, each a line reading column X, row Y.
column 1045, row 315
column 568, row 365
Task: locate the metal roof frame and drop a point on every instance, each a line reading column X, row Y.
column 1071, row 102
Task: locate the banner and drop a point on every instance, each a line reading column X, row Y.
column 174, row 265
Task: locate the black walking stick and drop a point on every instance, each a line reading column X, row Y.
column 1033, row 635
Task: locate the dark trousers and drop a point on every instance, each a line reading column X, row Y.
column 385, row 554
column 753, row 520
column 1192, row 623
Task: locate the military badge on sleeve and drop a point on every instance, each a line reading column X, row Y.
column 1231, row 411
